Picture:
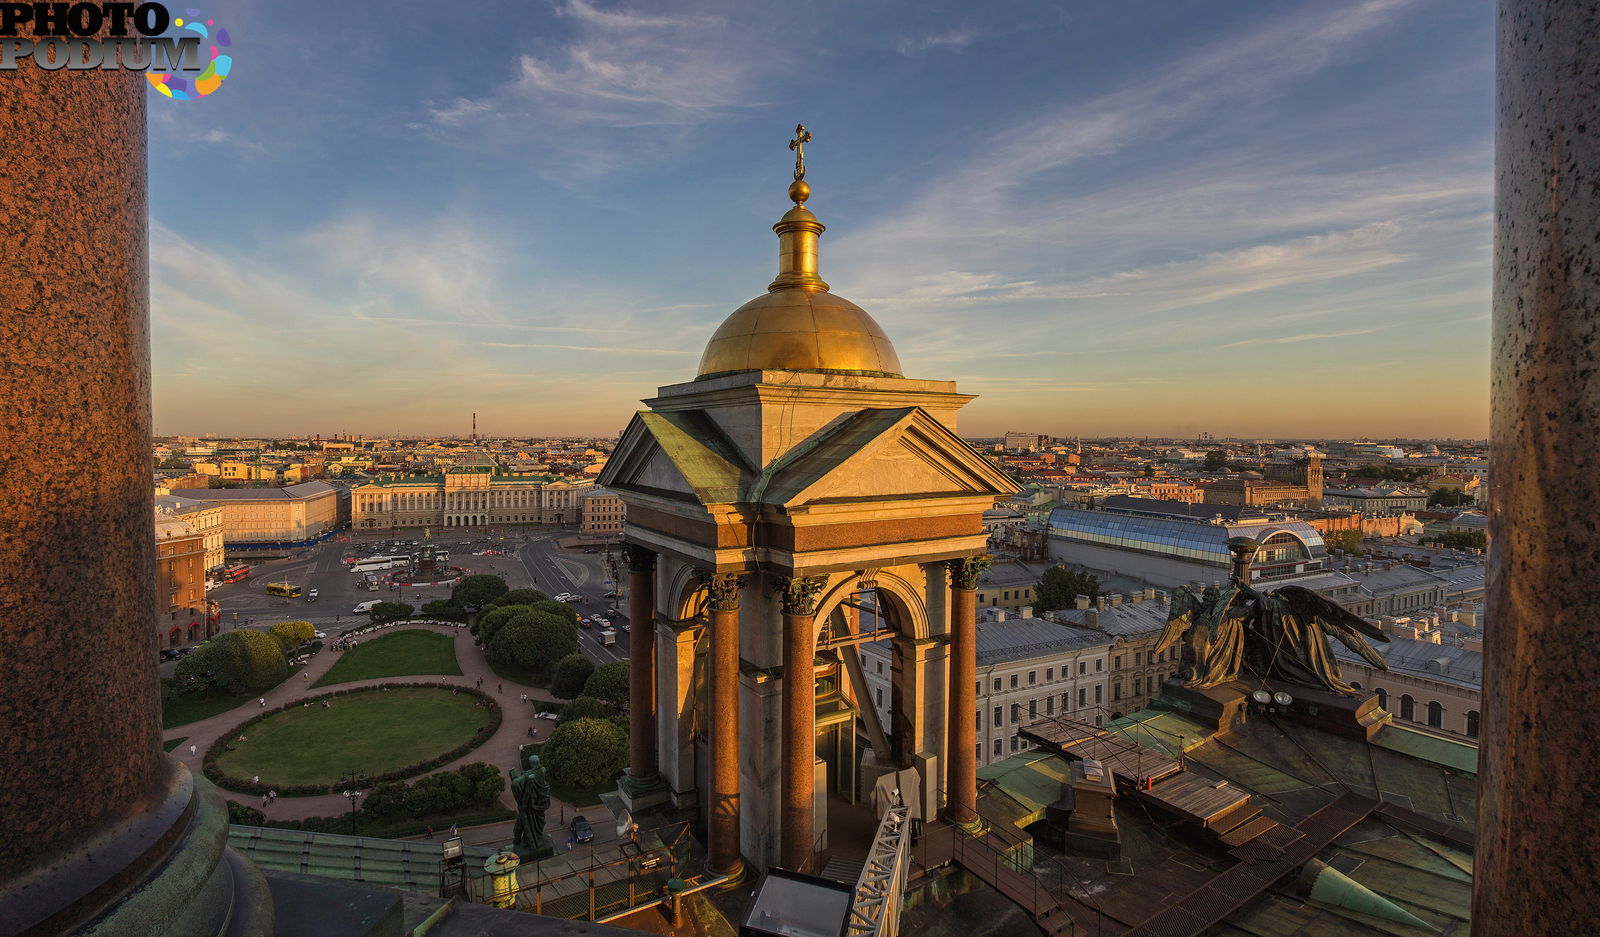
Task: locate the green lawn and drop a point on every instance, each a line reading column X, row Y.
column 182, row 710
column 399, row 654
column 370, row 731
column 173, row 743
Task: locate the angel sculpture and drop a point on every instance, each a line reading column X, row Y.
column 1238, row 632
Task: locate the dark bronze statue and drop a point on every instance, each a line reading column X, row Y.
column 532, row 793
column 1237, row 633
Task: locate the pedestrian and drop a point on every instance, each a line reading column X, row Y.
column 480, row 683
column 452, row 831
column 430, row 832
column 263, row 702
column 256, row 779
column 530, row 735
column 306, row 675
column 499, row 688
column 272, row 796
column 264, row 802
column 191, row 751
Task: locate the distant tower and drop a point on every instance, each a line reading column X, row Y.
column 474, row 428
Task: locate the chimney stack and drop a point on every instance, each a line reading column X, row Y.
column 1091, row 619
column 1080, row 601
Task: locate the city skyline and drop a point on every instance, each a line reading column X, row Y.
column 1079, row 219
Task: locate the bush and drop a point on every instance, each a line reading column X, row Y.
column 570, row 674
column 586, row 707
column 586, row 753
column 235, row 661
column 247, row 816
column 445, row 610
column 476, row 592
column 292, row 634
column 558, row 609
column 519, row 597
column 476, row 785
column 390, row 611
column 490, row 622
column 609, row 682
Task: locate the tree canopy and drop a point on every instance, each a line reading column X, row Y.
column 389, row 611
column 292, row 633
column 1216, row 460
column 570, row 675
column 236, row 662
column 586, row 753
column 476, row 592
column 610, row 683
column 1060, row 586
column 1461, row 540
column 535, row 640
column 1450, row 497
column 1348, row 540
column 518, row 597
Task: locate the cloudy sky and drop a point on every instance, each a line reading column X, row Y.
column 1247, row 218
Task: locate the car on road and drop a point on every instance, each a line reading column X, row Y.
column 364, row 607
column 584, row 622
column 311, row 595
column 602, row 622
column 567, row 597
column 493, row 553
column 611, row 595
column 582, row 832
column 608, row 637
column 319, row 635
column 170, row 653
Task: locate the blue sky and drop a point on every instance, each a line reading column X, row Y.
column 1260, row 219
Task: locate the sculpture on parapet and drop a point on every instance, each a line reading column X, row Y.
column 1237, row 633
column 532, row 793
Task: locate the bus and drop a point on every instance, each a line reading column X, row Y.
column 235, row 573
column 374, row 563
column 284, row 589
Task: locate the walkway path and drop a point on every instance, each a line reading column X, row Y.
column 500, row 750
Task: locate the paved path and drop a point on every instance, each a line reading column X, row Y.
column 500, row 750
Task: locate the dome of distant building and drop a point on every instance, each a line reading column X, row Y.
column 798, row 325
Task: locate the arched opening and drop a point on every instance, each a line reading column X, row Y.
column 175, row 636
column 1408, row 708
column 1435, row 714
column 194, row 630
column 1383, row 698
column 1472, row 724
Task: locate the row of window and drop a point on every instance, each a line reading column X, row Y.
column 1434, row 711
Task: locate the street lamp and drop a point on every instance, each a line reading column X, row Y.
column 351, row 780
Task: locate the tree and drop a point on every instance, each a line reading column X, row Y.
column 235, row 662
column 244, row 815
column 444, row 609
column 518, row 597
column 1149, row 471
column 389, row 611
column 571, row 673
column 586, row 707
column 535, row 642
column 1216, row 460
column 1348, row 540
column 490, row 622
column 1461, row 540
column 558, row 609
column 1059, row 587
column 476, row 592
column 1449, row 497
column 587, row 753
column 292, row 634
column 610, row 683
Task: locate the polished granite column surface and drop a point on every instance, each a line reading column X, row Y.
column 1539, row 774
column 79, row 714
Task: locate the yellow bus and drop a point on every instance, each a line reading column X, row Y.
column 283, row 588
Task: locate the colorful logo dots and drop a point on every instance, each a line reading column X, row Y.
column 184, row 89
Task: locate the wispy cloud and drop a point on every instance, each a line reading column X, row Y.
column 607, row 349
column 1303, row 337
column 956, row 38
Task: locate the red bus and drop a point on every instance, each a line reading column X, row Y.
column 235, row 573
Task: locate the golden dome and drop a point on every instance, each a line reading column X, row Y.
column 800, row 330
column 799, row 325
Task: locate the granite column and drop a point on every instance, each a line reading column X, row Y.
column 1538, row 775
column 961, row 732
column 641, row 661
column 722, row 848
column 799, row 597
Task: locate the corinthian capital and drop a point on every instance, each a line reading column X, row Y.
column 640, row 559
column 724, row 589
column 965, row 571
column 799, row 594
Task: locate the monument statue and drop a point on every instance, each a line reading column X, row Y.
column 532, row 793
column 1237, row 632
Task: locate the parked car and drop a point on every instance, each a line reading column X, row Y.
column 582, row 832
column 170, row 653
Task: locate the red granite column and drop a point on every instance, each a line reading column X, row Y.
column 93, row 819
column 1538, row 769
column 641, row 660
column 723, row 702
column 799, row 824
column 961, row 731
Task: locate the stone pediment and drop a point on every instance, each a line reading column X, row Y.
column 679, row 453
column 880, row 454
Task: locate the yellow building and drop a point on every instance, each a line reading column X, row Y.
column 206, row 517
column 295, row 514
column 467, row 496
column 603, row 514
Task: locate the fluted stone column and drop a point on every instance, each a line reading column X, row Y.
column 641, row 661
column 961, row 762
column 799, row 598
column 95, row 824
column 1539, row 775
column 723, row 699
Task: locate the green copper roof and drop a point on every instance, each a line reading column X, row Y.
column 1460, row 757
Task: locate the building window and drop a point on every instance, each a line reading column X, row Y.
column 997, row 684
column 1049, row 674
column 998, row 748
column 880, row 666
column 1116, row 662
column 1136, row 658
column 1099, row 693
column 1033, row 677
column 977, row 717
column 1099, row 664
column 1383, row 698
column 1016, row 713
column 1408, row 708
column 1013, row 681
column 1472, row 724
column 1015, row 743
column 1116, row 690
column 1082, row 698
column 880, row 696
column 1033, row 709
column 1083, row 668
column 999, row 719
column 1049, row 705
column 1435, row 714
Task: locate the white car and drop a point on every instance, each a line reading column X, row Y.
column 602, row 622
column 567, row 597
column 363, row 608
column 319, row 635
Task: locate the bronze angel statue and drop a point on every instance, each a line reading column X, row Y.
column 1236, row 632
